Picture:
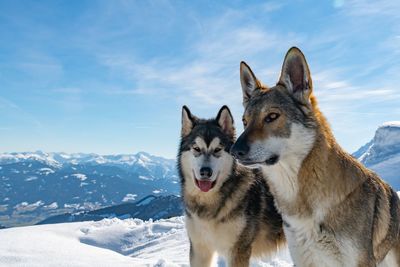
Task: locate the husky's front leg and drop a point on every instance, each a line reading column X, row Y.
column 200, row 255
column 240, row 256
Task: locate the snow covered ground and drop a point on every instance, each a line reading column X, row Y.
column 110, row 242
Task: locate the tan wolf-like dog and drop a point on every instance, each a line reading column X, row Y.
column 228, row 207
column 336, row 212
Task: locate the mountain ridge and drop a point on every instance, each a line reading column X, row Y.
column 382, row 153
column 149, row 207
column 37, row 185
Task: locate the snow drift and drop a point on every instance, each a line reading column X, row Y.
column 110, row 242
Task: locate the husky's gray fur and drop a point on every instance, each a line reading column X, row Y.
column 234, row 215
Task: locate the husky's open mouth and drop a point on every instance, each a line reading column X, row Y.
column 205, row 185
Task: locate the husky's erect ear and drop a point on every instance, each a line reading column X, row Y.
column 225, row 121
column 296, row 76
column 248, row 81
column 187, row 121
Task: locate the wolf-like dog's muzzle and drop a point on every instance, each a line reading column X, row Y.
column 241, row 149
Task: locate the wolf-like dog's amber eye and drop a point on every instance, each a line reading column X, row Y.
column 271, row 117
column 244, row 122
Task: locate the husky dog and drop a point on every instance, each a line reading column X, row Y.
column 336, row 212
column 228, row 207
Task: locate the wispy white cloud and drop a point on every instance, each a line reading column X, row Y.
column 272, row 6
column 207, row 74
column 338, row 3
column 67, row 90
column 40, row 68
column 10, row 109
column 371, row 7
column 208, row 67
column 7, row 104
column 69, row 99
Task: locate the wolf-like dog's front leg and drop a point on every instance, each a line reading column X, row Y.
column 200, row 255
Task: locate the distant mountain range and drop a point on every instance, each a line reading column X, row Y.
column 382, row 153
column 150, row 207
column 35, row 186
column 59, row 187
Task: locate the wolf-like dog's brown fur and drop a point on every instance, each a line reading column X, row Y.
column 336, row 212
column 237, row 217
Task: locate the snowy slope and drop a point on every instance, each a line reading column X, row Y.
column 382, row 153
column 110, row 242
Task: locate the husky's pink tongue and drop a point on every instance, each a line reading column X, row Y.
column 205, row 185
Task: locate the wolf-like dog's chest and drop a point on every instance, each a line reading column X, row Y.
column 313, row 245
column 220, row 236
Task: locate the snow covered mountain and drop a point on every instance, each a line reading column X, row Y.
column 110, row 242
column 150, row 207
column 382, row 153
column 34, row 186
column 38, row 185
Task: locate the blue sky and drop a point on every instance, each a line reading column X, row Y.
column 111, row 76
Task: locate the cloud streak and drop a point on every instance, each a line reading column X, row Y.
column 206, row 74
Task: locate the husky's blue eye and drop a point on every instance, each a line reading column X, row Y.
column 271, row 117
column 197, row 149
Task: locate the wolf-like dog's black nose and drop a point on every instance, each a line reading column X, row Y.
column 240, row 149
column 206, row 172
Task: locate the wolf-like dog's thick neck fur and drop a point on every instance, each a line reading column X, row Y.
column 237, row 218
column 336, row 212
column 338, row 192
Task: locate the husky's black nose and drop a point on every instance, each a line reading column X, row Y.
column 206, row 172
column 240, row 149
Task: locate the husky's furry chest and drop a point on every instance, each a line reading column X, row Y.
column 220, row 236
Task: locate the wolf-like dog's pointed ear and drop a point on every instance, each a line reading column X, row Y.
column 296, row 76
column 187, row 121
column 225, row 121
column 248, row 81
